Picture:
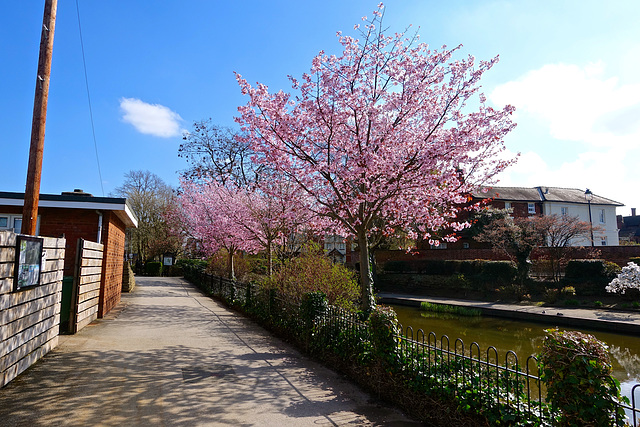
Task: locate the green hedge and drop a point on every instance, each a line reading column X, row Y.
column 635, row 260
column 500, row 272
column 153, row 268
column 200, row 264
column 590, row 276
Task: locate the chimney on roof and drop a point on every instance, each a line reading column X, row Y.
column 633, row 211
column 76, row 192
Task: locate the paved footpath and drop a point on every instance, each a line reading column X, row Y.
column 590, row 318
column 169, row 356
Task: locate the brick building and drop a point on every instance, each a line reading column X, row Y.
column 629, row 227
column 75, row 215
column 572, row 202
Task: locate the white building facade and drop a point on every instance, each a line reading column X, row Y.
column 570, row 202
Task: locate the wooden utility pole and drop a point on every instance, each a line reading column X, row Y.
column 34, row 170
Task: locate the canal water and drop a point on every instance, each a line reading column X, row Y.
column 524, row 338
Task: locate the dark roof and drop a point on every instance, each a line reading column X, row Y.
column 120, row 206
column 573, row 195
column 510, row 193
column 542, row 194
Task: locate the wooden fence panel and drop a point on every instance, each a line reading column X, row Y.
column 86, row 284
column 29, row 318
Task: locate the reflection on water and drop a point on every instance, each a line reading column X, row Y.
column 524, row 338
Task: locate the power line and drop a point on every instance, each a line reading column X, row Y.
column 86, row 81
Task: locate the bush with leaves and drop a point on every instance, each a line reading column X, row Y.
column 576, row 368
column 313, row 271
column 218, row 265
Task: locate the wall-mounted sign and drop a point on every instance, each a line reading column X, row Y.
column 28, row 262
column 167, row 259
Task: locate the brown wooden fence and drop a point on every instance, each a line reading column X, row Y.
column 28, row 318
column 86, row 285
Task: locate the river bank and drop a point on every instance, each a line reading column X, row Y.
column 626, row 322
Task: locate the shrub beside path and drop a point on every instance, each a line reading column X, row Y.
column 168, row 355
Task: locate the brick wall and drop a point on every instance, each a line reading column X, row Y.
column 113, row 263
column 618, row 254
column 74, row 224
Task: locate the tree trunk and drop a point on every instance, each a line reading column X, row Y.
column 522, row 260
column 269, row 259
column 232, row 273
column 366, row 274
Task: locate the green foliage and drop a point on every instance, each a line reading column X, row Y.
column 450, row 309
column 500, row 272
column 312, row 271
column 515, row 292
column 197, row 263
column 571, row 302
column 465, row 273
column 598, row 303
column 635, row 260
column 568, row 291
column 314, row 305
column 611, row 269
column 576, row 368
column 384, row 330
column 153, row 268
column 590, row 276
column 551, row 295
column 591, row 268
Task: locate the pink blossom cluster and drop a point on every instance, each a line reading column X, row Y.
column 240, row 219
column 383, row 131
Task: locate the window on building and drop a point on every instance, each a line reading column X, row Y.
column 507, row 205
column 442, row 245
column 532, row 208
column 602, row 217
column 17, row 225
column 603, row 241
column 465, row 245
column 564, row 211
column 14, row 223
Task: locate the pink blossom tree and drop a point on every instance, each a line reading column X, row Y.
column 243, row 218
column 380, row 138
column 211, row 213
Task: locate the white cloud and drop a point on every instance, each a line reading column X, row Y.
column 151, row 119
column 596, row 117
column 577, row 103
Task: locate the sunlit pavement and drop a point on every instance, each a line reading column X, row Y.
column 169, row 356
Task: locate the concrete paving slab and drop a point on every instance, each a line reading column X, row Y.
column 169, row 356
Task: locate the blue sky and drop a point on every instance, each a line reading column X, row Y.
column 569, row 67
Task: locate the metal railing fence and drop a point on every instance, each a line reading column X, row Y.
column 478, row 378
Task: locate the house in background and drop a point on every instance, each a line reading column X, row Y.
column 629, row 227
column 336, row 248
column 75, row 215
column 572, row 202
